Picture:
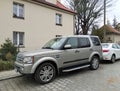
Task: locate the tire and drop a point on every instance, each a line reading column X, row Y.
column 94, row 64
column 113, row 59
column 45, row 73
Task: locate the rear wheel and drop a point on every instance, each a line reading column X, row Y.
column 45, row 73
column 113, row 59
column 94, row 64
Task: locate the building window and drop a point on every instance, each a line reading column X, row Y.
column 18, row 10
column 18, row 39
column 59, row 19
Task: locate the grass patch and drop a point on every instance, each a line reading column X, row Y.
column 6, row 65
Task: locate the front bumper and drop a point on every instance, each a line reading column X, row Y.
column 23, row 68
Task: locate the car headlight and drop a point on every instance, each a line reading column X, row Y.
column 28, row 60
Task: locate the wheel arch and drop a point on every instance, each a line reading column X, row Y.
column 94, row 54
column 45, row 60
column 113, row 55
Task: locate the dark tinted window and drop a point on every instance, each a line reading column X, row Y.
column 95, row 41
column 84, row 42
column 73, row 42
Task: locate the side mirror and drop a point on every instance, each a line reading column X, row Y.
column 67, row 46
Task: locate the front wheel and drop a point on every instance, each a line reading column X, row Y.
column 94, row 64
column 45, row 73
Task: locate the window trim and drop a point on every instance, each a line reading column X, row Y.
column 60, row 19
column 18, row 5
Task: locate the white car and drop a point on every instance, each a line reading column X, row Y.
column 111, row 51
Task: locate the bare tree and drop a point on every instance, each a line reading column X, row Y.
column 88, row 11
column 108, row 22
column 115, row 22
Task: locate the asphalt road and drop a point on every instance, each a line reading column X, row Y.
column 106, row 78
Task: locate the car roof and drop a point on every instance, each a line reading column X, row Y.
column 78, row 36
column 109, row 43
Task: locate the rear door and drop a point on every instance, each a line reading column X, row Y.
column 97, row 45
column 84, row 49
column 116, row 50
column 118, row 47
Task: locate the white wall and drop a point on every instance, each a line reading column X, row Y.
column 39, row 24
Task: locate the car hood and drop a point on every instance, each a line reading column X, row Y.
column 36, row 52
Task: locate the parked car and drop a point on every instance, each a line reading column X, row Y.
column 61, row 54
column 111, row 51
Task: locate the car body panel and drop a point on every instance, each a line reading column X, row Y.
column 112, row 50
column 59, row 56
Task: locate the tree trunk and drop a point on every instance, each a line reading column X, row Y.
column 84, row 30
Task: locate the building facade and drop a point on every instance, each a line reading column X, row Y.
column 31, row 23
column 112, row 35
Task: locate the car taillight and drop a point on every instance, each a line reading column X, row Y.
column 105, row 50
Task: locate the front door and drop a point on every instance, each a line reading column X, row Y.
column 71, row 56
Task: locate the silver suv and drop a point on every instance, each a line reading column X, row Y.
column 61, row 54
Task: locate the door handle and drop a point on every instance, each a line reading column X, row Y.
column 77, row 51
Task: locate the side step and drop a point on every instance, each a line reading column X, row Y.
column 76, row 68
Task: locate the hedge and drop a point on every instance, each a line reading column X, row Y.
column 6, row 65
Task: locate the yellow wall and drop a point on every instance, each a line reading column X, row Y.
column 115, row 38
column 39, row 24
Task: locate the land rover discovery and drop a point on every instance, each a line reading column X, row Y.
column 61, row 54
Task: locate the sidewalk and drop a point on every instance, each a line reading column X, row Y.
column 8, row 74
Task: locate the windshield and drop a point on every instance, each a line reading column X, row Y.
column 54, row 43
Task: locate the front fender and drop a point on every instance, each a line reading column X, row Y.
column 44, row 59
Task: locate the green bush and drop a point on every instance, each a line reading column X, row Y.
column 6, row 65
column 8, row 51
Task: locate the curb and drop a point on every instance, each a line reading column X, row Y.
column 5, row 75
column 7, row 78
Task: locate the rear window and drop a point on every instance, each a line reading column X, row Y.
column 95, row 41
column 105, row 45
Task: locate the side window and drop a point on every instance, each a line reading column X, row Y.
column 84, row 42
column 95, row 41
column 118, row 46
column 115, row 46
column 73, row 42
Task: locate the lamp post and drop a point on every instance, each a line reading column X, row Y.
column 104, row 20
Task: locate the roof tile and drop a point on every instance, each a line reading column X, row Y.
column 57, row 5
column 111, row 29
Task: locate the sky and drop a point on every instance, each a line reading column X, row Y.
column 113, row 11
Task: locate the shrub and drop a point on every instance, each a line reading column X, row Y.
column 6, row 65
column 9, row 56
column 8, row 51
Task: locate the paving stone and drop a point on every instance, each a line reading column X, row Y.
column 106, row 78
